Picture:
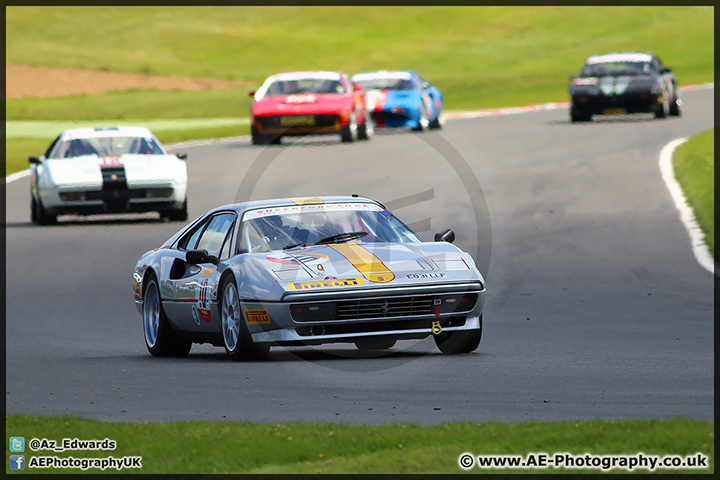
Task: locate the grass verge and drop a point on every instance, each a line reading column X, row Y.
column 479, row 56
column 233, row 447
column 694, row 165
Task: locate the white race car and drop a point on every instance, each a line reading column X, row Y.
column 102, row 170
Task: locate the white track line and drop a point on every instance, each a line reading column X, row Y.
column 17, row 176
column 687, row 217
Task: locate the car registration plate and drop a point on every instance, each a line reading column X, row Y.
column 614, row 111
column 298, row 120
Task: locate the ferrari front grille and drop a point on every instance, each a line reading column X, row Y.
column 391, row 307
column 385, row 307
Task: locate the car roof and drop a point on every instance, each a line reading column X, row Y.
column 329, row 75
column 287, row 202
column 399, row 74
column 100, row 132
column 620, row 57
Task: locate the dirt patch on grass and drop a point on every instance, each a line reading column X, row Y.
column 26, row 81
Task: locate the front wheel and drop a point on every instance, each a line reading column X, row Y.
column 236, row 337
column 261, row 139
column 438, row 122
column 349, row 133
column 38, row 214
column 33, row 210
column 576, row 117
column 459, row 341
column 663, row 110
column 160, row 339
column 423, row 121
column 179, row 215
column 675, row 107
column 366, row 130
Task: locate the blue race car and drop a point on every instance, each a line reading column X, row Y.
column 401, row 99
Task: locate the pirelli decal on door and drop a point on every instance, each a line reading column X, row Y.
column 364, row 261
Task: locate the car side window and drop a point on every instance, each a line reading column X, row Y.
column 225, row 252
column 189, row 240
column 217, row 230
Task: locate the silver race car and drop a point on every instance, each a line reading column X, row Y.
column 107, row 170
column 306, row 272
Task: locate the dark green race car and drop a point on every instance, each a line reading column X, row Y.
column 623, row 83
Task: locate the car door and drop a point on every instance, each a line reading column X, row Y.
column 194, row 287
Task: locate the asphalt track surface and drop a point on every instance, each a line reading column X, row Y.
column 597, row 307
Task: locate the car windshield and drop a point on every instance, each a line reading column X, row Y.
column 616, row 68
column 287, row 227
column 295, row 86
column 387, row 83
column 106, row 147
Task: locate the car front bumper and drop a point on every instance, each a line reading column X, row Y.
column 91, row 201
column 298, row 125
column 396, row 313
column 642, row 102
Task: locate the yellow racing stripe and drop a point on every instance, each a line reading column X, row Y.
column 306, row 201
column 364, row 261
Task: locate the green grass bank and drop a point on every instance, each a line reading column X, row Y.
column 694, row 166
column 232, row 447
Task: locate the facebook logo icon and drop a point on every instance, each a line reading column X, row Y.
column 17, row 462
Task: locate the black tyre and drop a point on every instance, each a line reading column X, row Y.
column 33, row 210
column 160, row 339
column 180, row 215
column 260, row 139
column 663, row 109
column 41, row 217
column 437, row 122
column 236, row 337
column 366, row 130
column 375, row 343
column 576, row 116
column 676, row 107
column 461, row 341
column 349, row 134
column 423, row 121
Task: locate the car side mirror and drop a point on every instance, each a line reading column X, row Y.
column 35, row 160
column 196, row 257
column 357, row 88
column 446, row 236
column 666, row 70
column 252, row 93
column 181, row 155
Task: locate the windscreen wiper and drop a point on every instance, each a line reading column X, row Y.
column 341, row 237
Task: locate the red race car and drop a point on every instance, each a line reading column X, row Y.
column 309, row 103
